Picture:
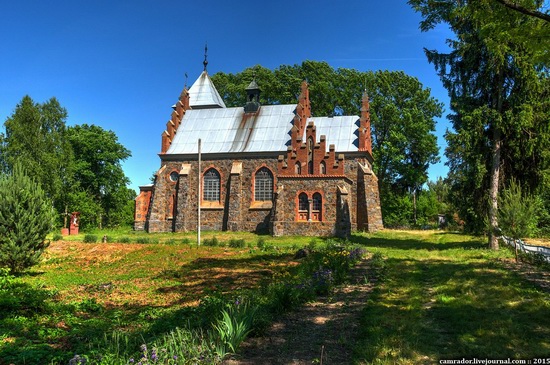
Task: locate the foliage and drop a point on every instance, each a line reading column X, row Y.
column 499, row 97
column 234, row 326
column 102, row 185
column 402, row 112
column 26, row 217
column 518, row 213
column 90, row 238
column 35, row 137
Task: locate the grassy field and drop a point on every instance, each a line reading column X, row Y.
column 438, row 295
column 444, row 296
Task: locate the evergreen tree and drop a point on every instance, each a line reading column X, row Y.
column 26, row 216
column 499, row 99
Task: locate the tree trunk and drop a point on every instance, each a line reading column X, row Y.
column 493, row 189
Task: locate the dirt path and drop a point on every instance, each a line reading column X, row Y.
column 326, row 328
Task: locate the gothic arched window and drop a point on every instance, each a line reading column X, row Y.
column 303, row 207
column 317, row 207
column 211, row 185
column 263, row 185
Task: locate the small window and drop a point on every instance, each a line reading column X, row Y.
column 174, row 176
column 323, row 168
column 317, row 207
column 263, row 185
column 303, row 207
column 211, row 182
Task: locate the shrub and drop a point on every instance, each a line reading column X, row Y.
column 261, row 243
column 237, row 243
column 143, row 240
column 186, row 241
column 213, row 242
column 57, row 237
column 90, row 238
column 124, row 240
column 26, row 217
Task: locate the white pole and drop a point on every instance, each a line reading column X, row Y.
column 199, row 199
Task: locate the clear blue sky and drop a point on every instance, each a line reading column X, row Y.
column 121, row 64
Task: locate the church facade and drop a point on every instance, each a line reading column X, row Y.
column 261, row 168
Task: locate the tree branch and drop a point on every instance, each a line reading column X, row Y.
column 523, row 10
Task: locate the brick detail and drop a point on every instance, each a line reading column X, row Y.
column 175, row 120
column 365, row 139
column 234, row 198
column 142, row 207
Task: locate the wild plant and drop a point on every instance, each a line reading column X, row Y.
column 235, row 324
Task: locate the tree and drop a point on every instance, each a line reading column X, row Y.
column 26, row 216
column 36, row 138
column 497, row 98
column 98, row 171
column 518, row 213
column 402, row 114
column 525, row 10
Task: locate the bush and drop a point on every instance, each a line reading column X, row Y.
column 57, row 237
column 124, row 240
column 213, row 242
column 237, row 243
column 26, row 217
column 90, row 238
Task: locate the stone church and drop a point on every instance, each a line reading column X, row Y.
column 263, row 168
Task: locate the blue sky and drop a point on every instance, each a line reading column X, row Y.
column 121, row 64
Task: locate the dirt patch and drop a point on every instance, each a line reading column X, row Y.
column 322, row 332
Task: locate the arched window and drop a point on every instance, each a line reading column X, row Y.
column 263, row 185
column 211, row 186
column 303, row 207
column 323, row 168
column 298, row 168
column 317, row 207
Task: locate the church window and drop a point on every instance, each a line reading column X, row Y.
column 303, row 207
column 263, row 185
column 323, row 168
column 298, row 168
column 317, row 207
column 211, row 182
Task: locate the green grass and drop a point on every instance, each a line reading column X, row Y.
column 444, row 296
column 438, row 295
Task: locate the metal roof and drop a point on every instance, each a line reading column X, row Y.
column 203, row 94
column 229, row 130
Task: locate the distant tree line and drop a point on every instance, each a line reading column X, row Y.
column 403, row 114
column 78, row 167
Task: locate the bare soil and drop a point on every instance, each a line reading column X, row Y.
column 322, row 332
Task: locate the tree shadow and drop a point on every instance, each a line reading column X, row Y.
column 416, row 244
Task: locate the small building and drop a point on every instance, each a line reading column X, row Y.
column 263, row 168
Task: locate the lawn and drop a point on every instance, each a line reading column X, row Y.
column 444, row 296
column 438, row 295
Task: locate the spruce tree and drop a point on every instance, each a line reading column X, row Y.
column 26, row 217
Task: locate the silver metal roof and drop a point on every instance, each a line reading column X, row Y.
column 203, row 94
column 223, row 130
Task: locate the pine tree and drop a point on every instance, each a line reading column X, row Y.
column 26, row 216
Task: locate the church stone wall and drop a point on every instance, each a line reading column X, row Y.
column 350, row 201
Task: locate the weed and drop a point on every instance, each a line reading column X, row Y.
column 57, row 237
column 237, row 243
column 212, row 242
column 124, row 239
column 90, row 238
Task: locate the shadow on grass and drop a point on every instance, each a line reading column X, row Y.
column 224, row 275
column 410, row 243
column 425, row 310
column 38, row 329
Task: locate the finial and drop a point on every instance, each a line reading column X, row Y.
column 205, row 62
column 185, row 85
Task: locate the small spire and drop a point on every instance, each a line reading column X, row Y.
column 185, row 84
column 205, row 62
